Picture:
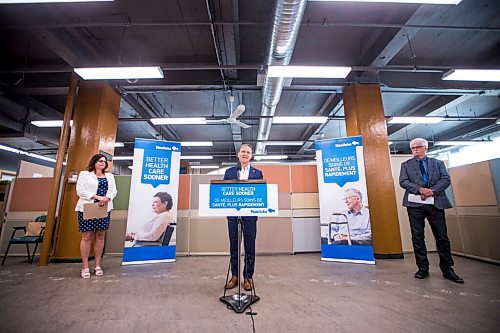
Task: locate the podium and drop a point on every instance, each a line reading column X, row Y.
column 238, row 198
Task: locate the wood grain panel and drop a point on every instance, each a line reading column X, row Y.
column 473, row 185
column 480, row 236
column 274, row 235
column 277, row 174
column 304, row 178
column 184, row 192
column 196, row 180
column 30, row 194
column 365, row 116
column 182, row 236
column 208, row 235
column 305, row 200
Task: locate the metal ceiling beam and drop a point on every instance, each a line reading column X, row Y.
column 473, row 130
column 428, row 106
column 20, row 126
column 226, row 36
column 406, row 33
column 321, row 89
column 329, row 108
column 321, row 24
column 147, row 111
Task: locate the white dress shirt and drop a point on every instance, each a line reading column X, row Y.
column 244, row 173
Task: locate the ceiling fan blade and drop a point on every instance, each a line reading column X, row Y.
column 239, row 110
column 239, row 123
column 215, row 121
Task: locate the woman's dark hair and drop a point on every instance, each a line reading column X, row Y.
column 165, row 198
column 93, row 161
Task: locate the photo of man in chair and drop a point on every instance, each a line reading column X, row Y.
column 158, row 230
column 358, row 227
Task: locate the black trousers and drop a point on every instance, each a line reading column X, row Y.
column 249, row 234
column 437, row 221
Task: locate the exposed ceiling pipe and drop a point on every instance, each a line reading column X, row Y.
column 285, row 29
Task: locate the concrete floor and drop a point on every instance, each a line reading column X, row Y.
column 298, row 294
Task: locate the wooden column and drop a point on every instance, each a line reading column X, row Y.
column 95, row 122
column 364, row 114
column 61, row 154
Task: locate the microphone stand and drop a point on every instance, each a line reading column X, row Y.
column 240, row 301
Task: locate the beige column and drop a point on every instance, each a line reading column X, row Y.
column 95, row 122
column 364, row 114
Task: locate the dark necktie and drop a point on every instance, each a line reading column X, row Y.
column 425, row 178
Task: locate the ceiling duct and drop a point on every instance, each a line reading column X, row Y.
column 285, row 28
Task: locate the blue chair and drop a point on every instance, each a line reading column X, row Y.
column 27, row 240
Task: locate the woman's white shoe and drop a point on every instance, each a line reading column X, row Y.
column 98, row 271
column 85, row 273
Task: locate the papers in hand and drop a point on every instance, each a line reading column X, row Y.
column 418, row 199
column 93, row 211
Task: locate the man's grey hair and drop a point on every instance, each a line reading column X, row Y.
column 356, row 191
column 248, row 145
column 421, row 141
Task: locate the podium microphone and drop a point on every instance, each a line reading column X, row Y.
column 238, row 169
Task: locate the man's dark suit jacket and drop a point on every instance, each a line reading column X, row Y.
column 410, row 178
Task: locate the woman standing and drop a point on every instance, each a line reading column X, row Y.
column 94, row 185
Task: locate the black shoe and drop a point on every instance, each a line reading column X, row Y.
column 450, row 275
column 421, row 274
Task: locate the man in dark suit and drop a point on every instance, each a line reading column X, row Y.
column 426, row 179
column 243, row 171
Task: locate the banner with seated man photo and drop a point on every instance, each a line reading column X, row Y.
column 346, row 234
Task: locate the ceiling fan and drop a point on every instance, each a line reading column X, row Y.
column 233, row 117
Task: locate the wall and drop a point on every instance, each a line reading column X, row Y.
column 474, row 222
column 34, row 170
column 473, row 225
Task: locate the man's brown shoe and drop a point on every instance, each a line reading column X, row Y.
column 232, row 283
column 247, row 284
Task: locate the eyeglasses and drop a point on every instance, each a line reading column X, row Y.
column 102, row 161
column 416, row 147
column 351, row 196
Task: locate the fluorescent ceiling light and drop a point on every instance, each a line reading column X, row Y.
column 299, row 120
column 430, row 2
column 283, row 143
column 197, row 144
column 179, row 121
column 119, row 73
column 415, row 120
column 456, row 143
column 46, row 1
column 390, row 143
column 197, row 157
column 472, row 75
column 22, row 152
column 270, row 157
column 329, row 72
column 123, row 158
column 204, row 166
column 50, row 123
column 119, row 144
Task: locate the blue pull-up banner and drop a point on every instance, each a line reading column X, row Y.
column 152, row 211
column 345, row 218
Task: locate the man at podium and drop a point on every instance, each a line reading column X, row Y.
column 243, row 171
